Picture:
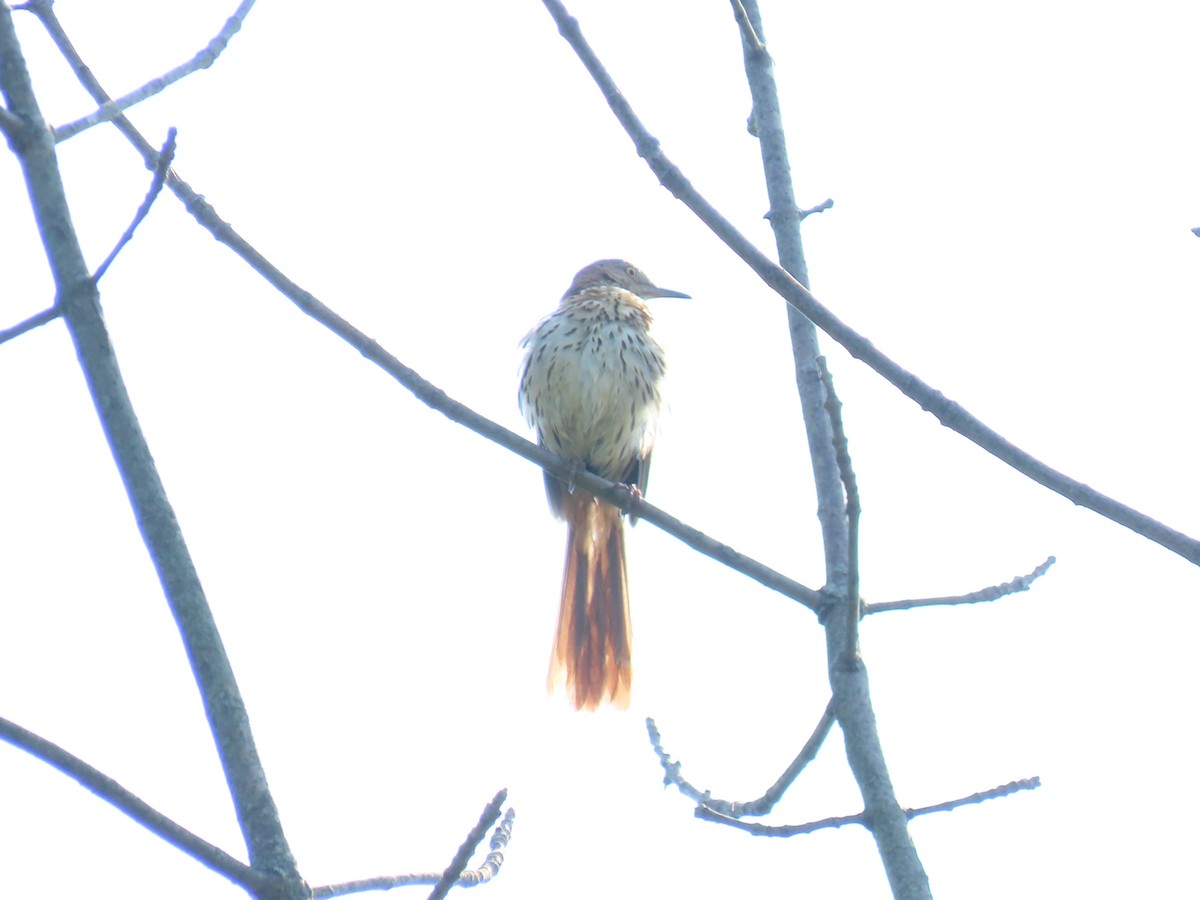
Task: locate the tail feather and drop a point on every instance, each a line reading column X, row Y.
column 592, row 651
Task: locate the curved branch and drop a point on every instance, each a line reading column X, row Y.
column 673, row 772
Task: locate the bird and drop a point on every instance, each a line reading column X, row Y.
column 591, row 387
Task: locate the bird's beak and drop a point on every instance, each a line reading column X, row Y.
column 663, row 292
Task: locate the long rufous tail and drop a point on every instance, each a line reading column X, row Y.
column 593, row 643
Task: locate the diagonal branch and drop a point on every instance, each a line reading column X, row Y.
column 110, row 109
column 165, row 155
column 450, row 877
column 431, row 395
column 34, row 321
column 426, row 392
column 949, row 413
column 133, row 806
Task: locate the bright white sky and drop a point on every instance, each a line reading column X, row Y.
column 1014, row 189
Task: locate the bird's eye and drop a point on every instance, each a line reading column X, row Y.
column 631, row 272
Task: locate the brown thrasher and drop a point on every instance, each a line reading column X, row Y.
column 590, row 387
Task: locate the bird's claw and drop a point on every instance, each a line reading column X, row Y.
column 635, row 497
column 573, row 475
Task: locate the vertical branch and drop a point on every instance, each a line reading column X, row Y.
column 841, row 448
column 847, row 674
column 767, row 126
column 78, row 299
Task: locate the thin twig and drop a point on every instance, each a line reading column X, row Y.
column 1023, row 784
column 165, row 155
column 757, row 828
column 110, row 109
column 802, row 214
column 133, row 806
column 672, row 769
column 949, row 413
column 1020, row 583
column 819, row 208
column 762, row 830
column 34, row 321
column 470, row 878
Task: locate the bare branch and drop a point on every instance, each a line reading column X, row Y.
column 78, row 299
column 133, row 806
column 949, row 413
column 1020, row 583
column 807, row 754
column 165, row 155
column 819, row 208
column 449, row 878
column 761, row 830
column 1025, row 784
column 847, row 673
column 34, row 321
column 672, row 769
column 673, row 772
column 110, row 109
column 841, row 447
column 486, row 872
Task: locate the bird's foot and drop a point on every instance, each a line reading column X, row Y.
column 573, row 473
column 635, row 497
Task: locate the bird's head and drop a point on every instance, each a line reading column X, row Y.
column 618, row 273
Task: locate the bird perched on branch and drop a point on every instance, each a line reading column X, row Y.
column 590, row 386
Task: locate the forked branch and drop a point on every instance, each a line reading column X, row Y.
column 486, row 871
column 711, row 815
